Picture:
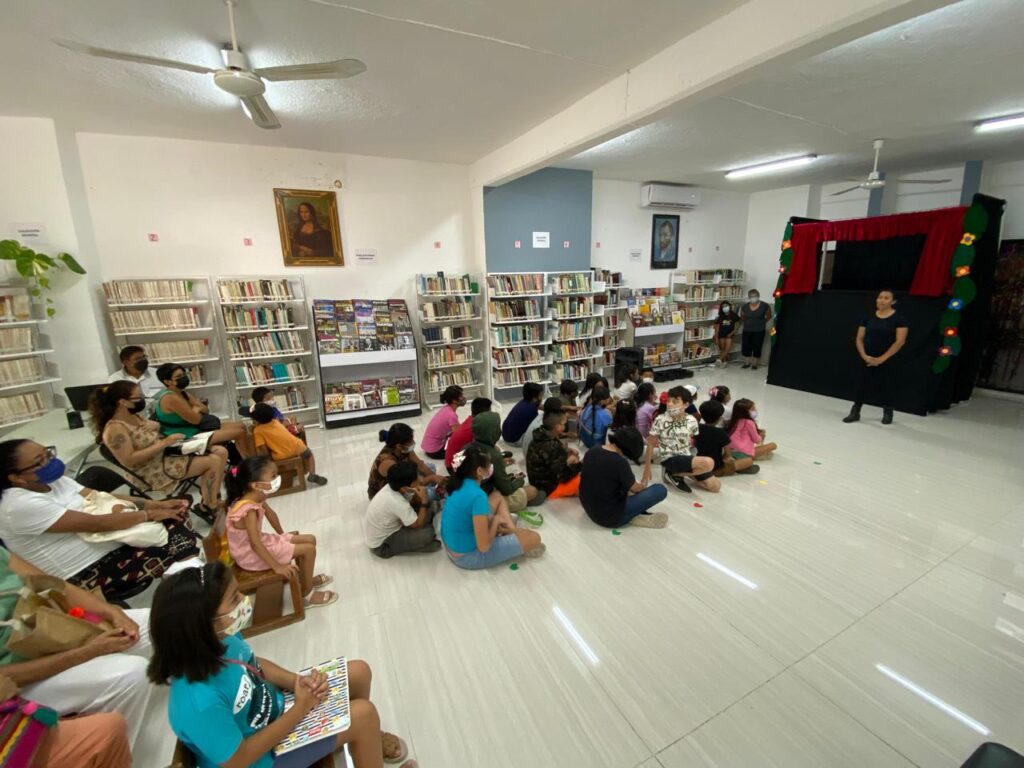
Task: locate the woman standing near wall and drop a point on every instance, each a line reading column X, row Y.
column 880, row 336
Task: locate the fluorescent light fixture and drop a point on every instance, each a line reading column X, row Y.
column 576, row 636
column 728, row 572
column 934, row 700
column 1000, row 124
column 773, row 167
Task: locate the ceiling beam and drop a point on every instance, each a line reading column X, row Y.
column 757, row 36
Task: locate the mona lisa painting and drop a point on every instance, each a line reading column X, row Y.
column 308, row 222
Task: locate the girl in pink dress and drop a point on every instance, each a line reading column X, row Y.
column 746, row 439
column 253, row 550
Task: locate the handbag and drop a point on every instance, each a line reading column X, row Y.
column 199, row 443
column 141, row 535
column 209, row 423
column 40, row 624
column 24, row 726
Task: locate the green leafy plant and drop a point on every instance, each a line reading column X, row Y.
column 36, row 267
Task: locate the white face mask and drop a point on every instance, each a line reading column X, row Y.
column 648, row 380
column 678, row 411
column 240, row 615
column 275, row 486
column 271, row 402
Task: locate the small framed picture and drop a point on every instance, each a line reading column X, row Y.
column 307, row 220
column 664, row 241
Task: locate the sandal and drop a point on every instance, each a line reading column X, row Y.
column 531, row 518
column 322, row 580
column 312, row 602
column 394, row 742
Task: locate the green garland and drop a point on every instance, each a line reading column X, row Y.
column 964, row 288
column 785, row 262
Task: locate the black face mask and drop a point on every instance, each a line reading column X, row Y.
column 137, row 406
column 142, row 365
column 183, row 382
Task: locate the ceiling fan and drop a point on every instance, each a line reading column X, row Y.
column 875, row 180
column 237, row 76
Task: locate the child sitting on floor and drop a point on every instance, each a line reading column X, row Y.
column 463, row 434
column 646, row 400
column 596, row 417
column 266, row 395
column 647, row 375
column 713, row 441
column 630, row 441
column 248, row 485
column 440, row 428
column 522, row 413
column 282, row 444
column 720, row 393
column 399, row 518
column 747, row 440
column 568, row 391
column 672, row 433
column 626, row 378
column 551, row 466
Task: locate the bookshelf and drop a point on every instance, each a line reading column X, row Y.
column 264, row 322
column 616, row 325
column 450, row 315
column 175, row 320
column 367, row 360
column 698, row 292
column 27, row 376
column 658, row 326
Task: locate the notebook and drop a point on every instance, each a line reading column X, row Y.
column 327, row 719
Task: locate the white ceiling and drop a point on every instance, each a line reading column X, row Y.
column 921, row 85
column 430, row 93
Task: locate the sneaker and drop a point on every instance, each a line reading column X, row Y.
column 507, row 454
column 745, row 366
column 537, row 551
column 753, row 469
column 675, row 481
column 538, row 499
column 530, row 518
column 650, row 520
column 316, row 479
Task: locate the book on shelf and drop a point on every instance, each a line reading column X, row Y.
column 441, row 283
column 574, row 371
column 571, row 282
column 691, row 276
column 438, row 380
column 361, row 325
column 22, row 371
column 608, row 277
column 177, row 351
column 255, row 318
column 573, row 329
column 518, row 376
column 513, row 284
column 268, row 373
column 134, row 320
column 16, row 340
column 572, row 306
column 196, row 374
column 518, row 356
column 369, row 393
column 147, row 291
column 516, row 309
column 459, row 307
column 449, row 355
column 274, row 342
column 661, row 354
column 448, row 333
column 26, row 405
column 517, row 334
column 254, row 290
column 15, row 307
column 572, row 349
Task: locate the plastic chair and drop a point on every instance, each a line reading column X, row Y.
column 181, row 490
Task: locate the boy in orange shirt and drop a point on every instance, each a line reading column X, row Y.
column 281, row 443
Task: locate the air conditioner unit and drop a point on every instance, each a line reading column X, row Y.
column 669, row 196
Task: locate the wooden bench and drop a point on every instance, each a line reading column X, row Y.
column 292, row 472
column 266, row 587
column 183, row 758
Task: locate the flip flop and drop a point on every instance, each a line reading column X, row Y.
column 403, row 751
column 307, row 602
column 322, row 580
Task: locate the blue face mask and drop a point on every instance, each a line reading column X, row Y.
column 51, row 471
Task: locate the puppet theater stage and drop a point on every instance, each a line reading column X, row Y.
column 940, row 264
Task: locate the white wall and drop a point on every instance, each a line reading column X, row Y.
column 766, row 224
column 710, row 236
column 1006, row 180
column 34, row 190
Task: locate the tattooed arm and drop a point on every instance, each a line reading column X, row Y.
column 117, row 439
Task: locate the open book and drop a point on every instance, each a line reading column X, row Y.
column 327, row 719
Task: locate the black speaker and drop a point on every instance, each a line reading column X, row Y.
column 627, row 355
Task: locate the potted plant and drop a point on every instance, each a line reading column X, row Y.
column 36, row 267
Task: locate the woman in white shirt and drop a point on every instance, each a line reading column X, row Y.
column 40, row 521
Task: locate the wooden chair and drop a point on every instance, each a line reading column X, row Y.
column 292, row 471
column 183, row 758
column 266, row 587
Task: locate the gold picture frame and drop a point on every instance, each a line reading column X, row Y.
column 307, row 220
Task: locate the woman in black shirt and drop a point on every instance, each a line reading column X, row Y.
column 880, row 336
column 725, row 327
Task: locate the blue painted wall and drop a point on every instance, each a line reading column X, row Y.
column 554, row 200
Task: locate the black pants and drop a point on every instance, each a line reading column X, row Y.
column 436, row 454
column 875, row 386
column 752, row 343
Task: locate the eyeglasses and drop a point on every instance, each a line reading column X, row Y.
column 49, row 453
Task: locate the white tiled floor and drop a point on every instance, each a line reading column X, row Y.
column 869, row 548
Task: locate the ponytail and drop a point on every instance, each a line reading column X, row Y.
column 398, row 434
column 466, row 462
column 238, row 480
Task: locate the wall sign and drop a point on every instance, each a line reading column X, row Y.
column 153, row 237
column 565, row 243
column 635, row 254
column 541, row 239
column 366, row 256
column 518, row 244
column 28, row 232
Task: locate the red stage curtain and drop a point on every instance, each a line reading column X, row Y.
column 943, row 227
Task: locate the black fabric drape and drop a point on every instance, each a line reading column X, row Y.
column 873, row 265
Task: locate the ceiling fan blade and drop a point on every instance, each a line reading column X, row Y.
column 324, row 70
column 106, row 53
column 843, row 192
column 923, row 181
column 259, row 112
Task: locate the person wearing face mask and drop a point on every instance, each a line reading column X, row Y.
column 673, row 433
column 180, row 412
column 249, row 484
column 225, row 704
column 755, row 317
column 747, row 440
column 137, row 445
column 476, row 527
column 135, row 368
column 266, row 395
column 399, row 519
column 647, row 376
column 40, row 520
column 400, row 445
column 725, row 327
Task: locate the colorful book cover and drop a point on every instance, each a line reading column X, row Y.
column 390, row 395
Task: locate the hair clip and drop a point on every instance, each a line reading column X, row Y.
column 457, row 459
column 663, row 397
column 234, row 471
